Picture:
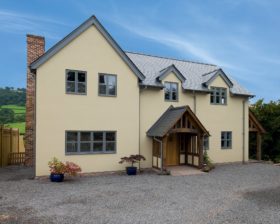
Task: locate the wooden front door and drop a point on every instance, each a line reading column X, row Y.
column 172, row 151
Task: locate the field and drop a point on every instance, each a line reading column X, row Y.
column 19, row 125
column 15, row 108
column 18, row 110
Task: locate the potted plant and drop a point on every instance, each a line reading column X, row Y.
column 207, row 165
column 58, row 169
column 132, row 170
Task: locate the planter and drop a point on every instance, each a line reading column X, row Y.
column 56, row 177
column 131, row 170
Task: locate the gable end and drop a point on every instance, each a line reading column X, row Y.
column 75, row 33
column 222, row 75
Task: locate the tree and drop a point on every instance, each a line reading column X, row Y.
column 269, row 116
column 11, row 96
column 6, row 116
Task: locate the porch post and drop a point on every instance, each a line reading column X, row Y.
column 163, row 155
column 200, row 149
column 259, row 146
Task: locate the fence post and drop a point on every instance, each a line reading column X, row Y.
column 11, row 139
column 1, row 154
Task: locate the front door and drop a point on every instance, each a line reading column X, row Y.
column 172, row 151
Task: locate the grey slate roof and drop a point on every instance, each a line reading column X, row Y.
column 147, row 68
column 195, row 73
column 166, row 121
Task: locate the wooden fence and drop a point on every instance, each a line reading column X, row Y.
column 10, row 153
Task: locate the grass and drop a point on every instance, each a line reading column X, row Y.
column 19, row 125
column 18, row 110
column 15, row 108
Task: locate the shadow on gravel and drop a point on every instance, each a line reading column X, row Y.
column 265, row 197
column 15, row 173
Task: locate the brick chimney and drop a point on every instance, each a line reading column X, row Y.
column 35, row 48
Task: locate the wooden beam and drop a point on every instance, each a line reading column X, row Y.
column 184, row 130
column 200, row 150
column 164, row 145
column 253, row 130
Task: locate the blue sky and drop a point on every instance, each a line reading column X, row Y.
column 241, row 36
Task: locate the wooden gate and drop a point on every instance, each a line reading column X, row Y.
column 9, row 143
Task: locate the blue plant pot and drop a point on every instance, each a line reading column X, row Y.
column 131, row 170
column 56, row 177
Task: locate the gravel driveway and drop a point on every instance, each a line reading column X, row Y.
column 229, row 194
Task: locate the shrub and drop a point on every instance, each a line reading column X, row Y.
column 208, row 165
column 132, row 159
column 58, row 167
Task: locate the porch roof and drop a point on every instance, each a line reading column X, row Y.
column 169, row 118
column 256, row 124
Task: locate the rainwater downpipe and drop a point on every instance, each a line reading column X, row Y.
column 161, row 153
column 139, row 124
column 194, row 102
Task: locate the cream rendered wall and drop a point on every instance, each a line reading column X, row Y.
column 152, row 106
column 217, row 118
column 57, row 111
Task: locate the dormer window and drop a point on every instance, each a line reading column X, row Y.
column 218, row 96
column 171, row 91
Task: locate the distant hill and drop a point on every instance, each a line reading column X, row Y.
column 12, row 108
column 12, row 96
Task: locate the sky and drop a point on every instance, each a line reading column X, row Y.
column 240, row 36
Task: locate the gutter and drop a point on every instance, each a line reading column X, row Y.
column 161, row 153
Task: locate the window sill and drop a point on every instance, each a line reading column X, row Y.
column 88, row 153
column 171, row 101
column 70, row 93
column 226, row 148
column 218, row 104
column 107, row 95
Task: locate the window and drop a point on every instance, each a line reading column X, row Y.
column 226, row 139
column 171, row 91
column 206, row 142
column 87, row 142
column 218, row 96
column 107, row 85
column 76, row 82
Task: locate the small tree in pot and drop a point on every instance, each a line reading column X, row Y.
column 132, row 170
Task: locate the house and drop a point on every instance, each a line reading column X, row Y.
column 90, row 102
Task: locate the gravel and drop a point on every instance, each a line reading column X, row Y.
column 229, row 194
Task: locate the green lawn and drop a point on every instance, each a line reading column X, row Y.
column 15, row 108
column 18, row 110
column 19, row 125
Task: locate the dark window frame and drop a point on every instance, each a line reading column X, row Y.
column 76, row 82
column 226, row 140
column 106, row 85
column 205, row 142
column 217, row 94
column 170, row 92
column 92, row 141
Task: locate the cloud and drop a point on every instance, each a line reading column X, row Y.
column 178, row 42
column 18, row 23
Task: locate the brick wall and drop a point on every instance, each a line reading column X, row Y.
column 35, row 48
